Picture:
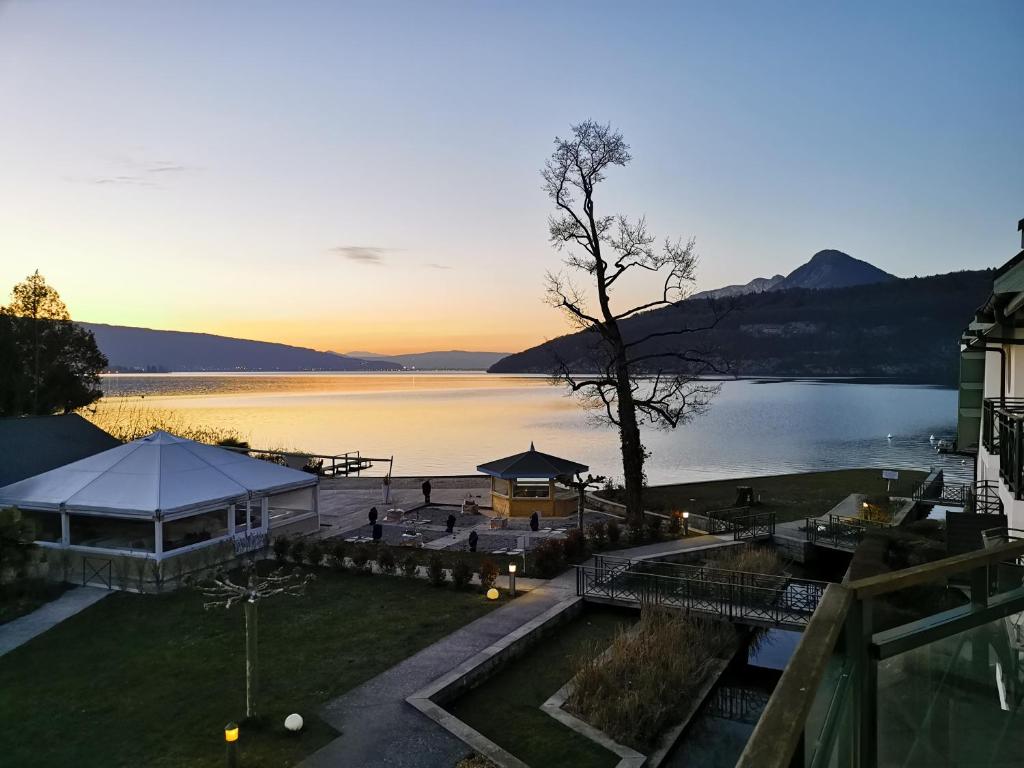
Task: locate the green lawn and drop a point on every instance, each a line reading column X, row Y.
column 150, row 681
column 506, row 708
column 790, row 497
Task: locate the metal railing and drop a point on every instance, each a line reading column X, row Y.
column 838, row 531
column 742, row 525
column 752, row 598
column 991, row 407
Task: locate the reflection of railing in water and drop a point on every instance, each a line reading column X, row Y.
column 755, row 598
column 733, row 702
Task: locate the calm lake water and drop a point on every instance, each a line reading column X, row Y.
column 448, row 423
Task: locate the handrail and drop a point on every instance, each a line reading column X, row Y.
column 883, row 584
column 778, row 732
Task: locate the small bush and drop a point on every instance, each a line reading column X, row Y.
column 636, row 534
column 675, row 524
column 409, row 566
column 462, row 574
column 281, row 547
column 488, row 574
column 436, row 572
column 598, row 534
column 574, row 546
column 361, row 559
column 614, row 532
column 315, row 554
column 338, row 553
column 549, row 558
column 298, row 552
column 654, row 526
column 386, row 561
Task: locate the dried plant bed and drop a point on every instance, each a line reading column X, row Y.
column 641, row 692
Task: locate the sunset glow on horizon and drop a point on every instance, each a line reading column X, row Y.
column 365, row 176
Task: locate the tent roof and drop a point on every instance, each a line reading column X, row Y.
column 531, row 464
column 159, row 474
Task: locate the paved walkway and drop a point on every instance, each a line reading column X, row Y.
column 21, row 630
column 380, row 730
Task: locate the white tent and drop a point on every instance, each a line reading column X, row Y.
column 163, row 478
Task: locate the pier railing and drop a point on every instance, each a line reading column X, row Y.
column 326, row 465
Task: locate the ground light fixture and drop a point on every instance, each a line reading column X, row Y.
column 512, row 579
column 492, row 594
column 231, row 739
column 293, row 722
column 686, row 523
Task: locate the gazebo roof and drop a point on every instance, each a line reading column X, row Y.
column 531, row 464
column 156, row 475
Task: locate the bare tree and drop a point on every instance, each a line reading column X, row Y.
column 224, row 593
column 637, row 380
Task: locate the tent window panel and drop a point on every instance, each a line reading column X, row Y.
column 501, row 486
column 248, row 514
column 45, row 525
column 288, row 506
column 196, row 529
column 112, row 533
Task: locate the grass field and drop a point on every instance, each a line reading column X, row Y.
column 142, row 680
column 790, row 497
column 506, row 708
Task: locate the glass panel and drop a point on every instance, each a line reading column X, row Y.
column 524, row 489
column 956, row 701
column 288, row 506
column 45, row 525
column 501, row 486
column 828, row 731
column 195, row 530
column 112, row 533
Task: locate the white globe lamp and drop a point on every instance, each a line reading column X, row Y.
column 293, row 722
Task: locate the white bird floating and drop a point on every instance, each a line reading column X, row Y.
column 963, row 462
column 931, row 438
column 889, row 436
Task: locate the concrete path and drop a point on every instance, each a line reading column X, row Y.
column 21, row 630
column 380, row 730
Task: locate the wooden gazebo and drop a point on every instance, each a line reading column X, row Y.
column 526, row 483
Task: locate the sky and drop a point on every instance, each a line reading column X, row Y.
column 365, row 176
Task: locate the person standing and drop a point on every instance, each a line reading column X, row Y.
column 426, row 491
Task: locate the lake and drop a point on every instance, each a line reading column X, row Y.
column 447, row 423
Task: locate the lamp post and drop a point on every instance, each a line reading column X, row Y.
column 231, row 739
column 512, row 579
column 686, row 523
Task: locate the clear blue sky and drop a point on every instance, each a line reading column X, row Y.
column 365, row 175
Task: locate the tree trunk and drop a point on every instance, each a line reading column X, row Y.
column 632, row 451
column 251, row 660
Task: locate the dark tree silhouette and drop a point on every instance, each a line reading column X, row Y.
column 631, row 385
column 51, row 364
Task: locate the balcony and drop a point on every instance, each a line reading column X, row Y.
column 1002, row 435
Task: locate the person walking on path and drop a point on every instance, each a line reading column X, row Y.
column 426, row 491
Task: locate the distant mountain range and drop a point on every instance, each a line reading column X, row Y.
column 826, row 269
column 145, row 349
column 880, row 326
column 451, row 360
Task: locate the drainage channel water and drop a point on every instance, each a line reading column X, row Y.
column 719, row 732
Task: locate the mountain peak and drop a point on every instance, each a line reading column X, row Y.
column 833, row 269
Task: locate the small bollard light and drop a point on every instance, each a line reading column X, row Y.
column 686, row 523
column 231, row 739
column 492, row 593
column 512, row 579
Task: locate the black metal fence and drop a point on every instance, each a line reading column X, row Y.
column 754, row 598
column 838, row 531
column 742, row 524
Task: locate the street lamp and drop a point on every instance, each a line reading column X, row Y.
column 231, row 739
column 512, row 579
column 686, row 523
